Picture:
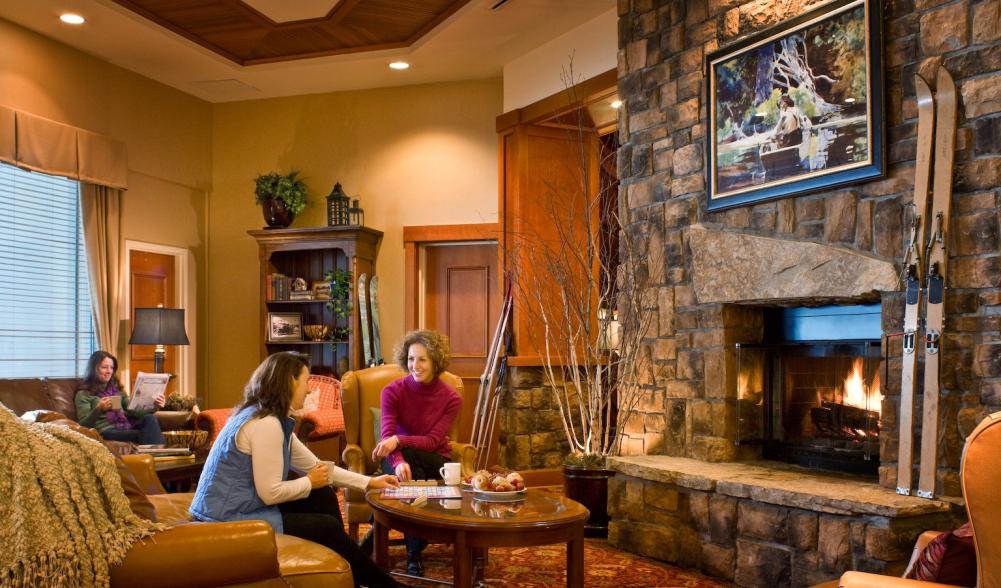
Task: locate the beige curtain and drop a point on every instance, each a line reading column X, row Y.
column 101, row 208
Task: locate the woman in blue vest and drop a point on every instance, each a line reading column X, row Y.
column 246, row 473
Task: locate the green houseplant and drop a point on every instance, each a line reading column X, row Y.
column 281, row 197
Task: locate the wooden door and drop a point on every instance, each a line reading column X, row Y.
column 152, row 280
column 462, row 299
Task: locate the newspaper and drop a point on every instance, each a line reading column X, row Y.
column 148, row 388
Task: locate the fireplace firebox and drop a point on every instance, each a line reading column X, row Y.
column 809, row 393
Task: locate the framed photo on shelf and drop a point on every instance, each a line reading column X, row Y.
column 321, row 290
column 284, row 326
column 796, row 108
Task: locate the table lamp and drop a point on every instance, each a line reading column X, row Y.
column 159, row 326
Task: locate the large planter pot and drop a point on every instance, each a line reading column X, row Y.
column 275, row 213
column 589, row 486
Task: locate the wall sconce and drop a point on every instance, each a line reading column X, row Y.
column 357, row 214
column 337, row 207
column 159, row 326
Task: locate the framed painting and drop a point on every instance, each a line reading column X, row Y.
column 284, row 326
column 796, row 108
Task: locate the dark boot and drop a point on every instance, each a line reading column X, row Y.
column 415, row 563
column 367, row 543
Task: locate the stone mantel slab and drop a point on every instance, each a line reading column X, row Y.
column 780, row 484
column 737, row 267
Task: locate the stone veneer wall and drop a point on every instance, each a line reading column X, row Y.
column 690, row 411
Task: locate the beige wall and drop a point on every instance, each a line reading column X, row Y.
column 168, row 134
column 414, row 155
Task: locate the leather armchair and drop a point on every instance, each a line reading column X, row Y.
column 361, row 391
column 981, row 478
column 243, row 553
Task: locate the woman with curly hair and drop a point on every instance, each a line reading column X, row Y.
column 417, row 413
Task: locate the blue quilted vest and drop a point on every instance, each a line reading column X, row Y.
column 226, row 489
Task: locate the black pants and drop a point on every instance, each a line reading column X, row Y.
column 145, row 431
column 318, row 518
column 424, row 465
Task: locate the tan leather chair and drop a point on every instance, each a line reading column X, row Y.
column 981, row 478
column 361, row 391
column 243, row 553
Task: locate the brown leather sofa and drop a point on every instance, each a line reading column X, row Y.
column 58, row 395
column 362, row 390
column 244, row 553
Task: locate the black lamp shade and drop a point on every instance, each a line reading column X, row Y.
column 159, row 326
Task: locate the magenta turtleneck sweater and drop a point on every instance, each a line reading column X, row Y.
column 420, row 415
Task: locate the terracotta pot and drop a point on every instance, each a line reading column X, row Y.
column 275, row 213
column 589, row 486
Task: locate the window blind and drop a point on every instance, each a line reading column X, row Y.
column 46, row 326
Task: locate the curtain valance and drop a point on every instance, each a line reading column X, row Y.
column 39, row 144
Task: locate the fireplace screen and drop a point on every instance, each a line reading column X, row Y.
column 813, row 403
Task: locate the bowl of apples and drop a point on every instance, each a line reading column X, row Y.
column 496, row 485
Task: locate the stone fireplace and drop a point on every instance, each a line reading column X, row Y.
column 693, row 489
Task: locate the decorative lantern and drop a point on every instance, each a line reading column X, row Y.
column 337, row 207
column 357, row 214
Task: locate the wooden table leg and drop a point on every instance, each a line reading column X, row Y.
column 575, row 559
column 381, row 547
column 462, row 567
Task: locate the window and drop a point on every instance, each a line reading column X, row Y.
column 46, row 327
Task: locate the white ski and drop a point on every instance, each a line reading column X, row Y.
column 363, row 315
column 914, row 267
column 945, row 141
column 373, row 289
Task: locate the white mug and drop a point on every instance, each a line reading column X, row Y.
column 116, row 402
column 451, row 472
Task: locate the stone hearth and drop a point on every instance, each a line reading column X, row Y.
column 765, row 524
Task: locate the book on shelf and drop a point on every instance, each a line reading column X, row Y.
column 301, row 295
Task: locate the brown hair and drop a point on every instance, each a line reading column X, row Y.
column 436, row 344
column 270, row 386
column 787, row 100
column 90, row 380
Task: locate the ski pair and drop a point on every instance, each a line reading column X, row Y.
column 494, row 372
column 936, row 137
column 371, row 349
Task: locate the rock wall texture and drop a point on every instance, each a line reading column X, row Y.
column 662, row 129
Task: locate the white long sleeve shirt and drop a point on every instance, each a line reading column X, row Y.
column 262, row 439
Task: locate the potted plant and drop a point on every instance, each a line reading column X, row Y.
column 577, row 270
column 281, row 197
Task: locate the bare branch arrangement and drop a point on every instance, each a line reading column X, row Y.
column 582, row 278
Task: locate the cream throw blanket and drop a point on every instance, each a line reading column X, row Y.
column 64, row 518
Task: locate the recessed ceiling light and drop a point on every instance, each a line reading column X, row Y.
column 399, row 65
column 73, row 19
column 616, row 104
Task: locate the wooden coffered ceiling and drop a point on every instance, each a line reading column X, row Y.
column 242, row 34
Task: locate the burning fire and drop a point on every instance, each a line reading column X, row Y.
column 855, row 393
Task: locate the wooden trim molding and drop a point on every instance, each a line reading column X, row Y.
column 446, row 233
column 591, row 90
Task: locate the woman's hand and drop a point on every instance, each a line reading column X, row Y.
column 383, row 481
column 403, row 472
column 104, row 404
column 160, row 401
column 384, row 448
column 318, row 476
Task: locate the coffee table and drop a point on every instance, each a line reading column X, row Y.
column 180, row 475
column 473, row 526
